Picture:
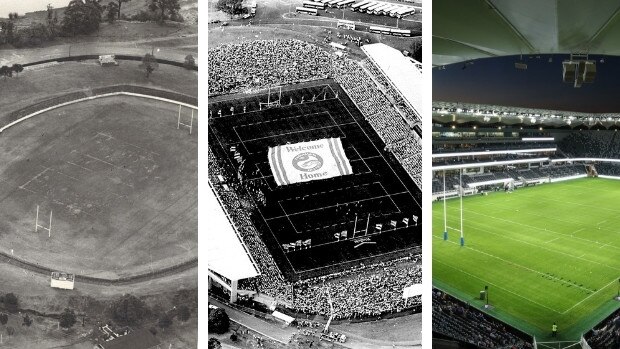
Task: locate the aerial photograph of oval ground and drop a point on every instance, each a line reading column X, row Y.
column 525, row 162
column 98, row 174
column 314, row 160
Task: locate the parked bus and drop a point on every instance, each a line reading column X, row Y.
column 345, row 24
column 356, row 7
column 345, row 3
column 315, row 5
column 400, row 32
column 371, row 8
column 406, row 11
column 366, row 6
column 309, row 11
column 332, row 3
column 386, row 10
column 379, row 30
column 377, row 10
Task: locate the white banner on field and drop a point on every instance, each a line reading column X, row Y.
column 308, row 161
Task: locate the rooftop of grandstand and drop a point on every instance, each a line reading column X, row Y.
column 226, row 245
column 508, row 115
column 400, row 71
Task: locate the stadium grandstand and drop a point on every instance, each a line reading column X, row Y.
column 492, row 166
column 525, row 174
column 305, row 248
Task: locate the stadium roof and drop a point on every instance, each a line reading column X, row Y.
column 460, row 113
column 400, row 70
column 472, row 29
column 227, row 254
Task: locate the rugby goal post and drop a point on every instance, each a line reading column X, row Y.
column 37, row 225
column 180, row 123
column 271, row 104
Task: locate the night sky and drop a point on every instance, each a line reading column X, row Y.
column 497, row 81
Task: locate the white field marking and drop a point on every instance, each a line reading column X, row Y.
column 563, row 220
column 90, row 99
column 108, row 163
column 260, row 94
column 300, row 131
column 537, row 228
column 592, row 294
column 390, row 197
column 357, row 259
column 374, row 145
column 572, row 203
column 546, row 249
column 518, row 265
column 82, row 167
column 325, row 207
column 110, row 137
column 287, row 217
column 494, row 285
column 599, row 223
column 278, row 119
column 64, row 174
column 23, row 186
column 607, row 244
column 552, row 240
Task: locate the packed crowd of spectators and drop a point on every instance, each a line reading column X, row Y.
column 271, row 280
column 455, row 319
column 252, row 65
column 520, row 176
column 256, row 64
column 598, row 144
column 606, row 335
column 358, row 292
column 390, row 125
column 361, row 291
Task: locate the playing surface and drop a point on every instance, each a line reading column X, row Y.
column 379, row 190
column 119, row 178
column 549, row 253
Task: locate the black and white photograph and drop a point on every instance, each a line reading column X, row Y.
column 315, row 174
column 98, row 174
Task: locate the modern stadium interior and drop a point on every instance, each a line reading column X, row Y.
column 493, row 151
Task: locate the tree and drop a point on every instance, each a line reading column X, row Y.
column 27, row 321
column 218, row 321
column 129, row 310
column 82, row 17
column 67, row 318
column 149, row 63
column 120, row 2
column 232, row 7
column 11, row 303
column 190, row 62
column 52, row 21
column 214, row 343
column 163, row 6
column 113, row 11
column 4, row 318
column 183, row 313
column 165, row 321
column 17, row 68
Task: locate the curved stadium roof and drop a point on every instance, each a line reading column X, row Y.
column 471, row 29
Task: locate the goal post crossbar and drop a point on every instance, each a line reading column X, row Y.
column 37, row 225
column 190, row 126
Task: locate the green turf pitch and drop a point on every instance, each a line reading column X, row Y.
column 549, row 253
